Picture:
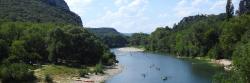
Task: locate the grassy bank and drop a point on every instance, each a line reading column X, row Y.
column 65, row 74
column 57, row 73
column 222, row 63
column 201, row 61
column 61, row 73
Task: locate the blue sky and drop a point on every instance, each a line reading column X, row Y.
column 129, row 16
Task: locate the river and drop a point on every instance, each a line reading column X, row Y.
column 145, row 67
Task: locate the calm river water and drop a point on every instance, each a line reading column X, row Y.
column 143, row 67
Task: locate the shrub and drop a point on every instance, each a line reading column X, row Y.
column 98, row 69
column 48, row 78
column 109, row 58
column 83, row 72
column 17, row 73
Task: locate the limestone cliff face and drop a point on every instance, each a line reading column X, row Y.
column 244, row 7
column 57, row 3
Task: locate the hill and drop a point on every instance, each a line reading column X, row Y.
column 40, row 11
column 104, row 31
column 110, row 36
column 128, row 34
column 45, row 32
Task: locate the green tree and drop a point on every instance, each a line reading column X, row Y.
column 17, row 73
column 18, row 53
column 83, row 47
column 35, row 44
column 4, row 50
column 241, row 61
column 99, row 69
column 138, row 39
column 229, row 9
column 108, row 58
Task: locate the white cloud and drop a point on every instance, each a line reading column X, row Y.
column 128, row 18
column 78, row 3
column 163, row 15
column 120, row 2
column 183, row 8
column 79, row 6
column 191, row 7
column 198, row 2
column 219, row 4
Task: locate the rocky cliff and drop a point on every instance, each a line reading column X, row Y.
column 41, row 11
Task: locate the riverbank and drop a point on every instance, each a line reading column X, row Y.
column 101, row 78
column 225, row 63
column 63, row 74
column 221, row 62
column 130, row 49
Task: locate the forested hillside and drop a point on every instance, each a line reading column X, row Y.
column 34, row 33
column 138, row 39
column 193, row 36
column 222, row 36
column 110, row 36
column 40, row 11
column 30, row 43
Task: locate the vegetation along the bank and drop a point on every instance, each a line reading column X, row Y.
column 37, row 44
column 35, row 34
column 223, row 36
column 111, row 37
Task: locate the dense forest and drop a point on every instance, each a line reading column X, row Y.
column 40, row 11
column 31, row 37
column 206, row 36
column 110, row 36
column 138, row 39
column 223, row 36
column 31, row 43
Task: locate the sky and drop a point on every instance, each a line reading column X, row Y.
column 130, row 16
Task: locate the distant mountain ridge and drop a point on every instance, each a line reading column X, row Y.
column 110, row 36
column 40, row 11
column 128, row 34
column 104, row 30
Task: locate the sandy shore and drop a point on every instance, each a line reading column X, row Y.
column 224, row 62
column 130, row 49
column 109, row 72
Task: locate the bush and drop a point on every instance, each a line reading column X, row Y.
column 48, row 78
column 227, row 77
column 83, row 72
column 17, row 73
column 4, row 49
column 241, row 62
column 99, row 69
column 109, row 58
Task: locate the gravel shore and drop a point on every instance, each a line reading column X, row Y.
column 130, row 49
column 108, row 73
